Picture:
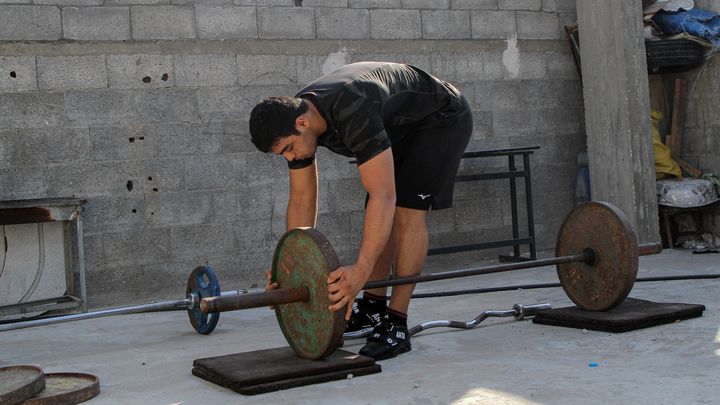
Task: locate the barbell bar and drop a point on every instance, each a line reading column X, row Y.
column 189, row 303
column 596, row 261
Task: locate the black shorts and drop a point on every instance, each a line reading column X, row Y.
column 427, row 161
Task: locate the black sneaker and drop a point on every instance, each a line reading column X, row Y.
column 362, row 318
column 388, row 339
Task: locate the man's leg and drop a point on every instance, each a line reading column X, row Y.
column 411, row 241
column 368, row 312
column 391, row 336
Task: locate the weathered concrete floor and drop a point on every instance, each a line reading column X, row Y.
column 147, row 358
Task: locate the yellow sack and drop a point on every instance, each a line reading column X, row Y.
column 665, row 165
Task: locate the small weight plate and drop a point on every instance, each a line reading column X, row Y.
column 66, row 389
column 203, row 283
column 606, row 282
column 304, row 257
column 18, row 383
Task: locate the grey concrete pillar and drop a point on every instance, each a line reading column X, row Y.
column 617, row 110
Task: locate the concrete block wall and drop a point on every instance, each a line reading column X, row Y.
column 141, row 107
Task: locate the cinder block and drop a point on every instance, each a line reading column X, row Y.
column 17, row 73
column 171, row 209
column 561, row 6
column 132, row 2
column 226, row 22
column 40, row 147
column 532, row 65
column 310, row 67
column 235, row 102
column 475, row 4
column 215, row 172
column 71, row 72
column 255, row 202
column 205, row 70
column 235, row 136
column 342, row 23
column 261, row 168
column 537, row 25
column 493, row 24
column 550, row 93
column 163, row 105
column 162, row 22
column 15, row 1
column 23, row 183
column 279, row 3
column 266, row 69
column 121, row 143
column 395, row 24
column 164, row 175
column 21, row 22
column 203, row 2
column 493, row 95
column 446, row 24
column 426, row 4
column 133, row 247
column 375, row 3
column 532, row 5
column 182, row 139
column 345, row 195
column 90, row 179
column 202, row 240
column 325, row 3
column 98, row 107
column 96, row 23
column 140, row 71
column 286, row 23
column 477, row 66
column 31, row 110
column 65, row 3
column 114, row 213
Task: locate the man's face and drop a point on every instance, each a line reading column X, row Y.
column 296, row 147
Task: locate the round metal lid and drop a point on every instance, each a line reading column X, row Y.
column 66, row 389
column 18, row 383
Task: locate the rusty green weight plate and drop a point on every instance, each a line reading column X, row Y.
column 606, row 282
column 304, row 258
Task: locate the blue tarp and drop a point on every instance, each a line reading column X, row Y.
column 698, row 22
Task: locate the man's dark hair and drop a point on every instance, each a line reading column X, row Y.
column 273, row 119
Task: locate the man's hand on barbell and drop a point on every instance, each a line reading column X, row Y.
column 344, row 284
column 270, row 285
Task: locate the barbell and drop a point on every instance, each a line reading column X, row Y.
column 596, row 261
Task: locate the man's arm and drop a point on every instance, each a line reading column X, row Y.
column 377, row 176
column 303, row 202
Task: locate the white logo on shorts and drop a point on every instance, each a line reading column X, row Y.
column 423, row 196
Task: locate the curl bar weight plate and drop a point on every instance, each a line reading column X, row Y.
column 202, row 283
column 18, row 383
column 304, row 258
column 66, row 389
column 606, row 281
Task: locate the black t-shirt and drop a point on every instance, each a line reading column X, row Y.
column 368, row 106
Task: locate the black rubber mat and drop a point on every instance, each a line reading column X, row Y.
column 270, row 370
column 632, row 314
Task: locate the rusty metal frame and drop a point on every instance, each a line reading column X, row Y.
column 66, row 210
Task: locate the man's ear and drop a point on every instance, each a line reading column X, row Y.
column 302, row 123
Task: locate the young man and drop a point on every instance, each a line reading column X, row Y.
column 407, row 131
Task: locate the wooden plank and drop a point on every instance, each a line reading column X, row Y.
column 689, row 169
column 678, row 119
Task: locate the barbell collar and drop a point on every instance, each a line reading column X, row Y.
column 255, row 300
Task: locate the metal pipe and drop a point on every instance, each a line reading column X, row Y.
column 518, row 311
column 255, row 300
column 184, row 303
